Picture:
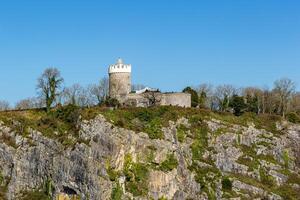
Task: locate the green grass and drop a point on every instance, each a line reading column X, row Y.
column 181, row 133
column 3, row 187
column 62, row 120
column 267, row 183
column 251, row 163
column 286, row 158
column 266, row 179
column 169, row 164
column 34, row 195
column 117, row 193
column 207, row 178
column 200, row 141
column 112, row 174
column 288, row 193
column 136, row 177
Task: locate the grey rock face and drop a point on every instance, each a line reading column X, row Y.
column 85, row 169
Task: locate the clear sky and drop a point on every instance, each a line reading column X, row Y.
column 170, row 43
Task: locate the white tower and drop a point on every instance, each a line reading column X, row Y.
column 119, row 79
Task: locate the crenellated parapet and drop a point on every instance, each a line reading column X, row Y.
column 119, row 67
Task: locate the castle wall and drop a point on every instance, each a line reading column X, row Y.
column 119, row 84
column 176, row 99
column 163, row 99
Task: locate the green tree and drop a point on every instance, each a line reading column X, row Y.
column 252, row 104
column 48, row 85
column 224, row 103
column 238, row 105
column 202, row 99
column 194, row 96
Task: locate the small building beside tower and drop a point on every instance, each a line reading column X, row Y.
column 120, row 89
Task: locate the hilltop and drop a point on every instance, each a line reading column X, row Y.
column 147, row 153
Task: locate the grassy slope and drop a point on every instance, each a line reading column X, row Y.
column 150, row 120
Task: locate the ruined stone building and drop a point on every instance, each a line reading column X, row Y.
column 120, row 88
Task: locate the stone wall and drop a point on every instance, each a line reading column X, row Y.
column 164, row 99
column 176, row 99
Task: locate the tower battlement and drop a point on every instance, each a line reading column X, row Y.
column 119, row 67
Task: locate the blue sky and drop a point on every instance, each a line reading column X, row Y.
column 170, row 43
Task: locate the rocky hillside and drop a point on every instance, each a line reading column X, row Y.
column 157, row 153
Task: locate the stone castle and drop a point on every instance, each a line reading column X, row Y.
column 120, row 88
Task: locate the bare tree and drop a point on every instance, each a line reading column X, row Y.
column 29, row 103
column 77, row 95
column 284, row 88
column 251, row 93
column 71, row 94
column 100, row 91
column 4, row 105
column 222, row 94
column 205, row 93
column 85, row 99
column 153, row 97
column 48, row 85
column 295, row 103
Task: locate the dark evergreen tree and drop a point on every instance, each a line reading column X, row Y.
column 202, row 99
column 252, row 104
column 194, row 96
column 238, row 105
column 224, row 103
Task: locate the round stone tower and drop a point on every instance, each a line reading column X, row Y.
column 119, row 79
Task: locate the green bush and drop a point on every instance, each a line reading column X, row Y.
column 226, row 184
column 136, row 177
column 287, row 192
column 286, row 158
column 112, row 102
column 169, row 164
column 237, row 103
column 117, row 193
column 69, row 114
column 162, row 198
column 266, row 179
column 181, row 133
column 194, row 96
column 293, row 117
column 153, row 129
column 1, row 178
column 200, row 141
column 34, row 195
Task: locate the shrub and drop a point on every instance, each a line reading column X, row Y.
column 136, row 177
column 226, row 184
column 153, row 129
column 293, row 117
column 286, row 158
column 169, row 164
column 112, row 102
column 34, row 195
column 113, row 174
column 265, row 178
column 181, row 133
column 69, row 114
column 200, row 142
column 1, row 178
column 117, row 193
column 238, row 105
column 194, row 96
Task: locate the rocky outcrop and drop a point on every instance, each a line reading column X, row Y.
column 236, row 162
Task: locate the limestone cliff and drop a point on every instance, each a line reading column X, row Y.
column 207, row 157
